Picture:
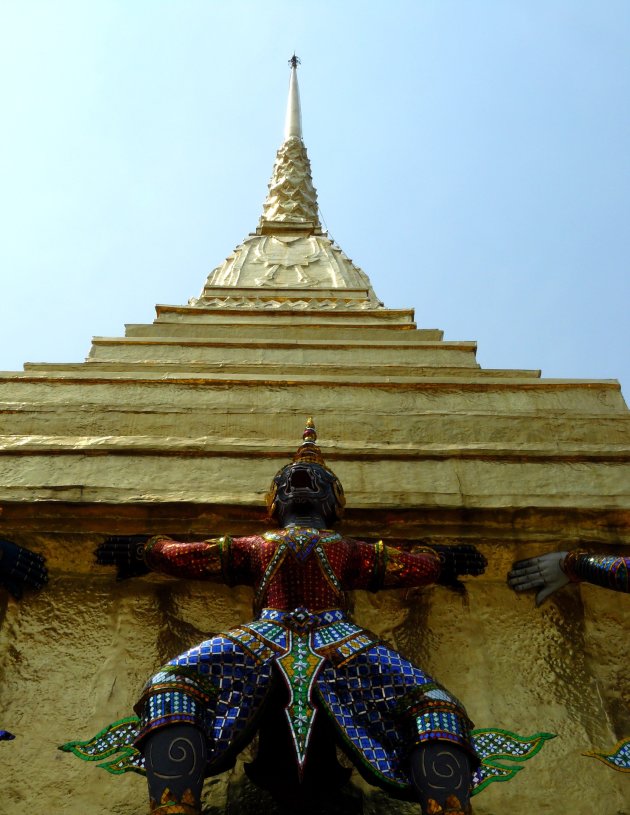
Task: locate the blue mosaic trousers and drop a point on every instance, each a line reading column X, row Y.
column 379, row 703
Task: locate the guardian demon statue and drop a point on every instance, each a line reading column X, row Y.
column 301, row 674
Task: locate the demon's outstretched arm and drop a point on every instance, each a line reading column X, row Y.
column 378, row 566
column 126, row 553
column 214, row 559
column 458, row 560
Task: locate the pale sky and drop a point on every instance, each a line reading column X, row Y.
column 472, row 157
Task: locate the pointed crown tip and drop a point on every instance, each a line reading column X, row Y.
column 310, row 434
column 308, row 451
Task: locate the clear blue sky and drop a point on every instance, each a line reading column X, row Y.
column 471, row 157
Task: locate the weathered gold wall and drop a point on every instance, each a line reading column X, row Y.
column 74, row 657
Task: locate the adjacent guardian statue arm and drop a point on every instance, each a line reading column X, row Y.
column 552, row 571
column 20, row 569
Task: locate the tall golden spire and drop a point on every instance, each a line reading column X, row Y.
column 289, row 262
column 292, row 198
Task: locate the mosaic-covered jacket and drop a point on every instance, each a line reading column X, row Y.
column 295, row 567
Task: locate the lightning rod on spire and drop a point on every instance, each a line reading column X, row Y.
column 293, row 120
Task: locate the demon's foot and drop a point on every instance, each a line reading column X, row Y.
column 452, row 806
column 441, row 774
column 169, row 805
column 175, row 759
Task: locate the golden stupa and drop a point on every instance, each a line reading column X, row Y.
column 178, row 427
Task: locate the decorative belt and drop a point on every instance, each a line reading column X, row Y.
column 301, row 619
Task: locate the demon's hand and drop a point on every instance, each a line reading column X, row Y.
column 20, row 569
column 126, row 553
column 543, row 573
column 459, row 559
